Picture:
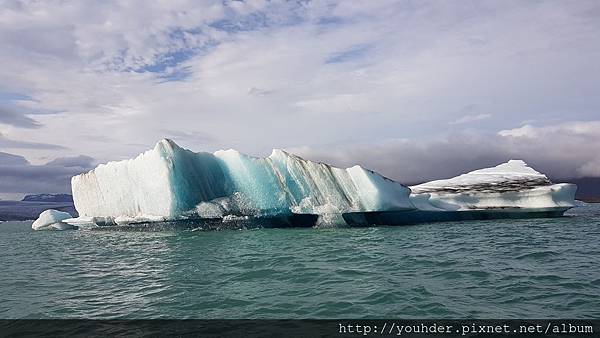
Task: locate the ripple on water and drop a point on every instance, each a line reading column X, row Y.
column 503, row 268
column 538, row 255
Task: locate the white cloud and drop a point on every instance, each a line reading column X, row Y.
column 580, row 128
column 571, row 145
column 526, row 131
column 472, row 118
column 591, row 168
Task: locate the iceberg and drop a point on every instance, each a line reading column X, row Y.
column 511, row 185
column 169, row 183
column 172, row 184
column 52, row 219
column 509, row 190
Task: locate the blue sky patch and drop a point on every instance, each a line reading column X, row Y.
column 355, row 53
column 12, row 96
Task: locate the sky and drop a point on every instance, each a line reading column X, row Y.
column 415, row 90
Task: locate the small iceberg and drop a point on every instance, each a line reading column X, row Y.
column 52, row 219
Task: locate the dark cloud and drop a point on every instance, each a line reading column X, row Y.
column 564, row 151
column 410, row 161
column 15, row 116
column 17, row 175
column 10, row 159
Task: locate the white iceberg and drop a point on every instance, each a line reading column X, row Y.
column 511, row 185
column 169, row 182
column 508, row 190
column 52, row 219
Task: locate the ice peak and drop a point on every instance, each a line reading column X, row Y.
column 510, row 171
column 515, row 167
column 229, row 153
column 281, row 153
column 166, row 143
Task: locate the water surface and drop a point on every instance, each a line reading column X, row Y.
column 481, row 269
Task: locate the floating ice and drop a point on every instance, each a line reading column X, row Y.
column 169, row 182
column 511, row 185
column 509, row 190
column 52, row 219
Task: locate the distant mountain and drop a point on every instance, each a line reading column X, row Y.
column 48, row 198
column 32, row 205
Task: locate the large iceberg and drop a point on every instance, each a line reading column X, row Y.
column 169, row 183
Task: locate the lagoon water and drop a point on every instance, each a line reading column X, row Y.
column 532, row 268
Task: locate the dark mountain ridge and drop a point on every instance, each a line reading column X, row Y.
column 48, row 198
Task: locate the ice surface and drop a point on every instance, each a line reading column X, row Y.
column 509, row 185
column 515, row 173
column 52, row 219
column 169, row 182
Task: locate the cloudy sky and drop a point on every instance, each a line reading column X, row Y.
column 413, row 89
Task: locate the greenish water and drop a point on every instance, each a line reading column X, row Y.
column 485, row 269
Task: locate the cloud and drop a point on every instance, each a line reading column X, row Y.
column 17, row 175
column 13, row 115
column 254, row 75
column 472, row 118
column 583, row 129
column 568, row 147
column 354, row 53
column 6, row 143
column 259, row 92
column 591, row 168
column 10, row 159
column 566, row 150
column 80, row 161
